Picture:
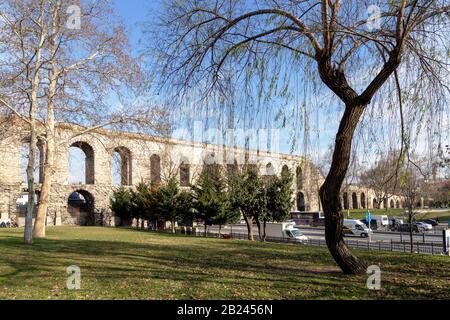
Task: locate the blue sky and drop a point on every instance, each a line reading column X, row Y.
column 135, row 12
column 323, row 121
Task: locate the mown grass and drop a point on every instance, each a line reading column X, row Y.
column 127, row 264
column 361, row 214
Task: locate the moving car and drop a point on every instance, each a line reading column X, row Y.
column 284, row 230
column 432, row 222
column 395, row 224
column 424, row 226
column 405, row 228
column 356, row 227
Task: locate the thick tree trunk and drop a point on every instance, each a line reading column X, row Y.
column 50, row 147
column 173, row 225
column 411, row 238
column 330, row 191
column 249, row 223
column 28, row 236
column 264, row 231
column 44, row 199
column 258, row 224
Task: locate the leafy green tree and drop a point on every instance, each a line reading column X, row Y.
column 226, row 216
column 173, row 204
column 246, row 195
column 121, row 203
column 138, row 201
column 210, row 198
column 278, row 194
column 185, row 208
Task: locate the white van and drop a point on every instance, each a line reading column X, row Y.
column 284, row 230
column 382, row 221
column 356, row 227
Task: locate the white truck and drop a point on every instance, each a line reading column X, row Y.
column 356, row 227
column 284, row 230
column 382, row 221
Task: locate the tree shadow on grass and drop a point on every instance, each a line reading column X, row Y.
column 188, row 262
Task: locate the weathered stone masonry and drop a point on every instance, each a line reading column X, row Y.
column 144, row 158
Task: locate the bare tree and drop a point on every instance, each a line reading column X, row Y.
column 382, row 178
column 411, row 182
column 82, row 60
column 21, row 75
column 202, row 43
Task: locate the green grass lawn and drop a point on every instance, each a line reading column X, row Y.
column 361, row 213
column 127, row 264
column 442, row 215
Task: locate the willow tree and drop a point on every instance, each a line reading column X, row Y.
column 355, row 48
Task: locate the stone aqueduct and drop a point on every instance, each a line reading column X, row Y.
column 143, row 158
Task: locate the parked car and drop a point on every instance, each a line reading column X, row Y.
column 373, row 224
column 424, row 226
column 7, row 223
column 394, row 223
column 405, row 228
column 432, row 222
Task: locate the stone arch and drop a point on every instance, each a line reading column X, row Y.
column 155, row 168
column 81, row 209
column 385, row 203
column 299, row 178
column 354, row 201
column 375, row 204
column 392, row 204
column 122, row 166
column 88, row 163
column 285, row 169
column 185, row 173
column 345, row 201
column 270, row 170
column 363, row 200
column 301, row 204
column 397, row 204
column 209, row 158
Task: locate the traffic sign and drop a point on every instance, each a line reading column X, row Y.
column 368, row 217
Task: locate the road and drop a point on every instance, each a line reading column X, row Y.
column 318, row 233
